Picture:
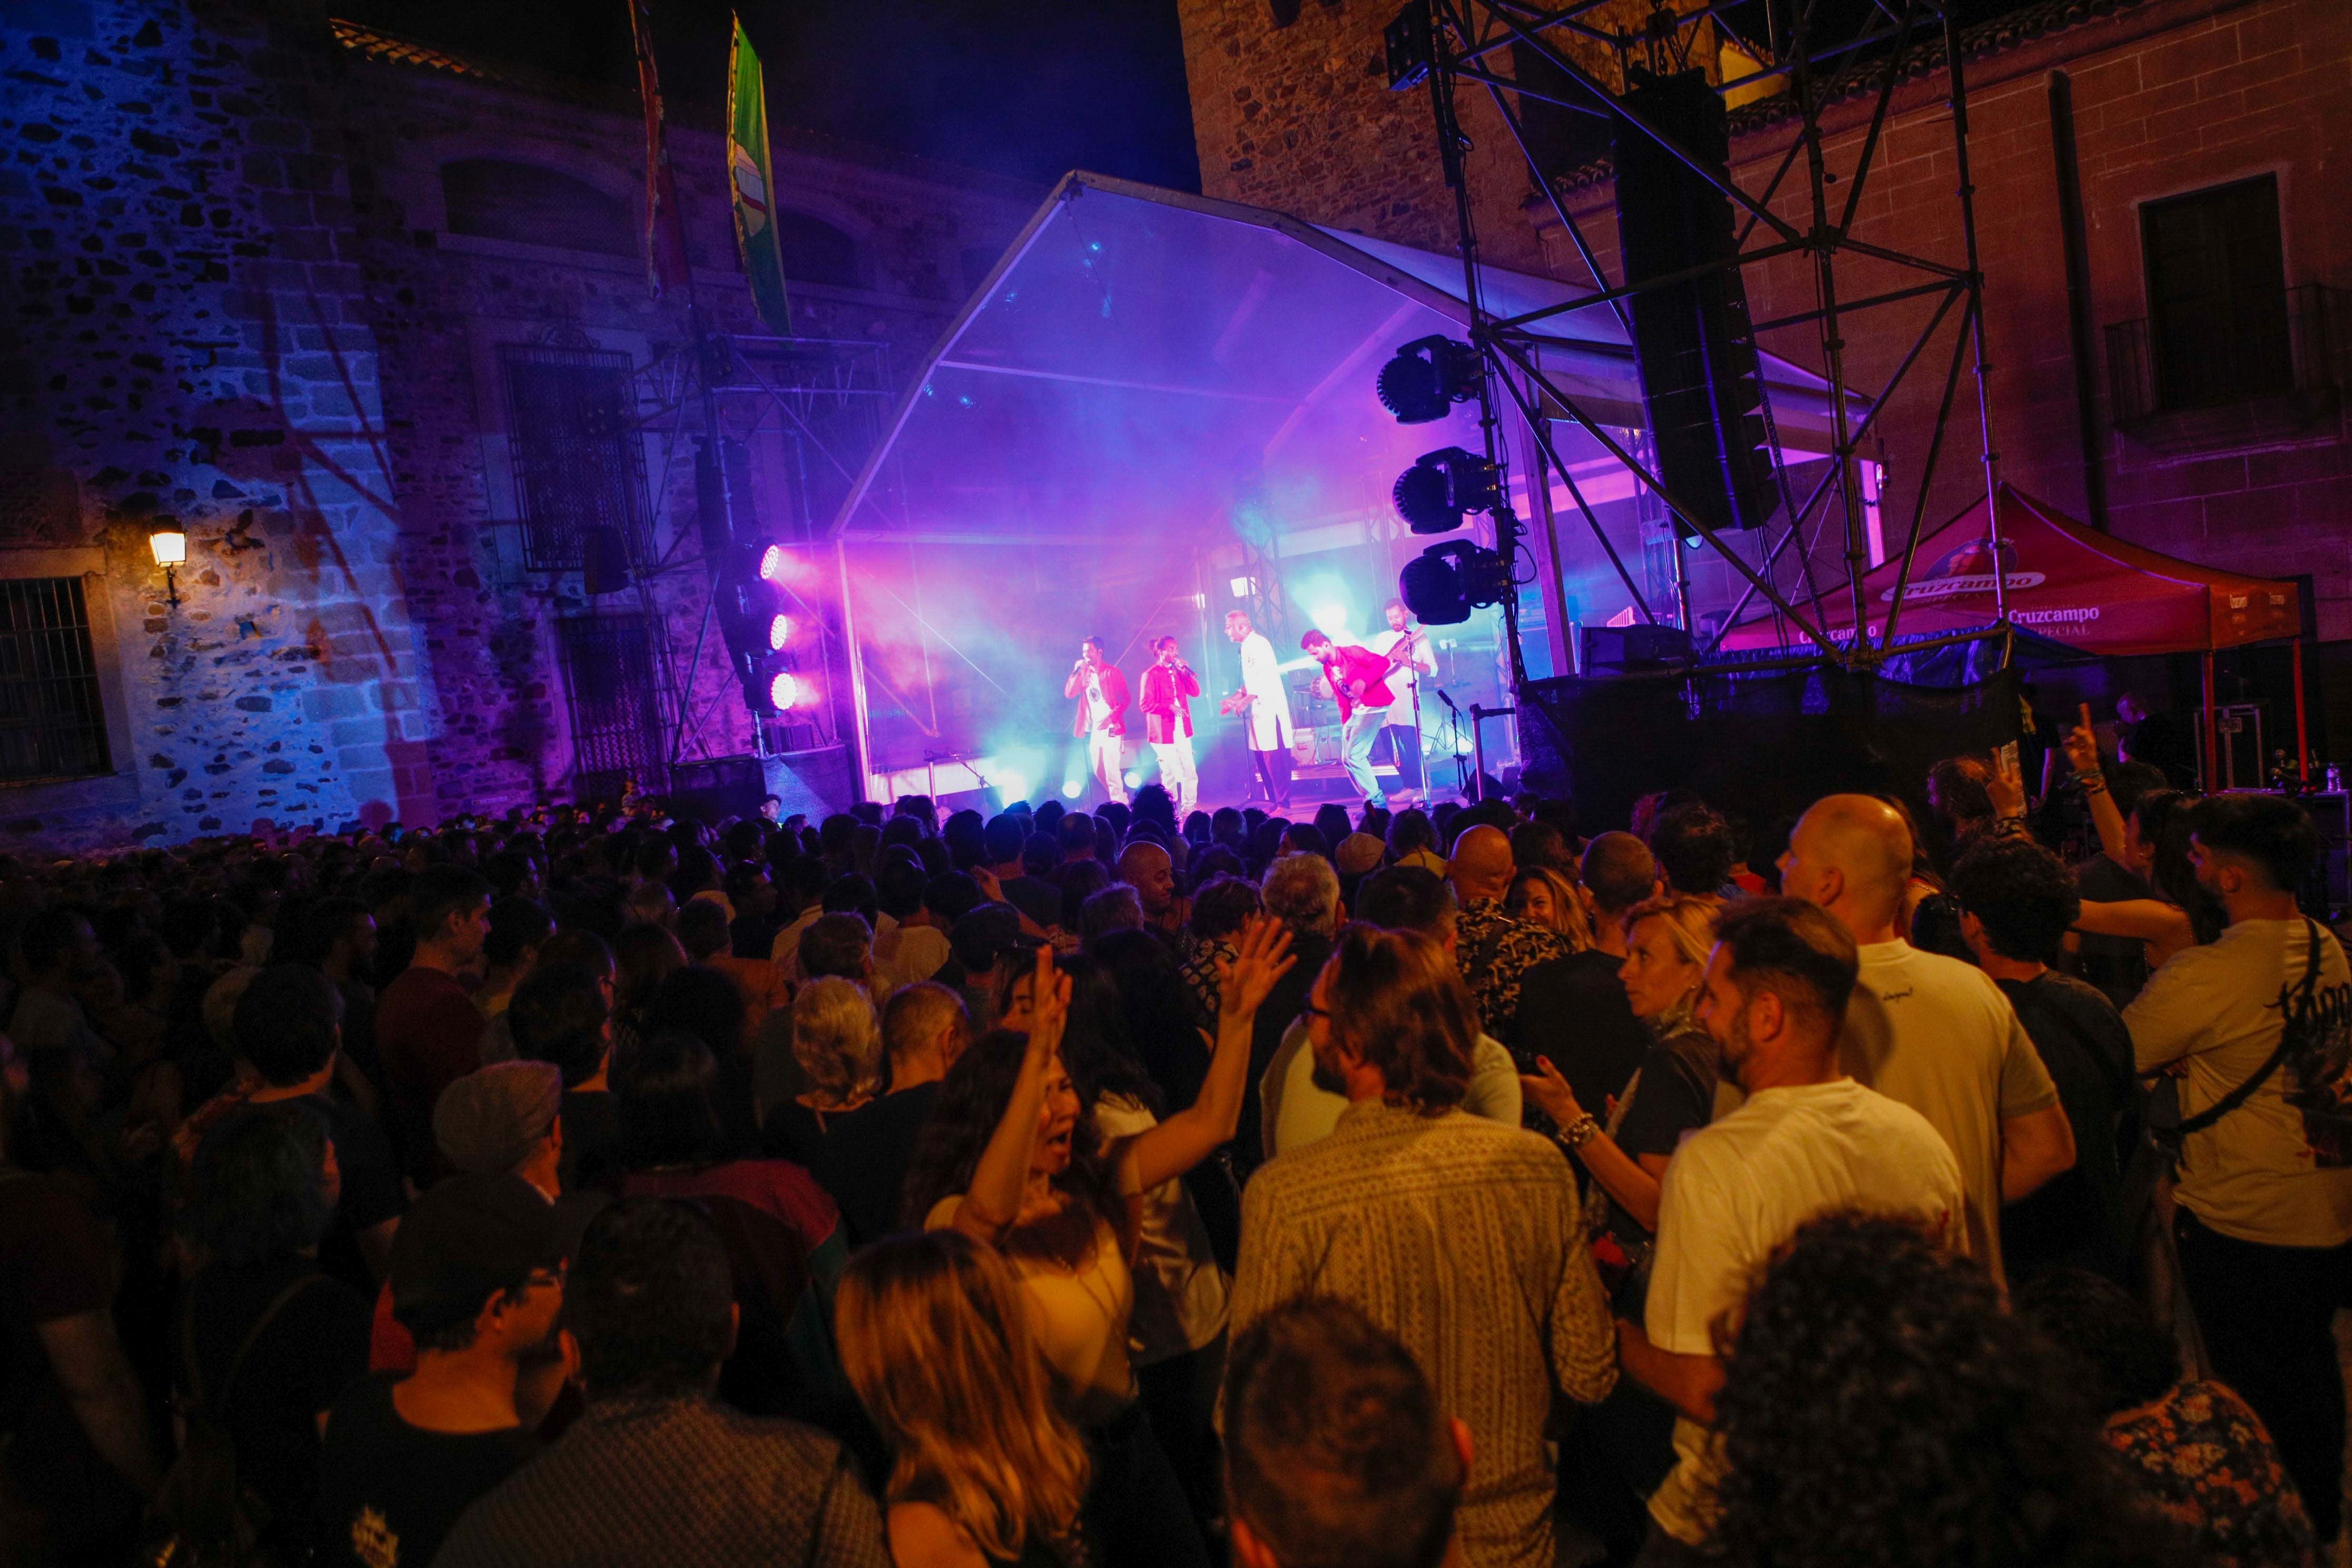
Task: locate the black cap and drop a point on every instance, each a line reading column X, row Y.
column 469, row 1237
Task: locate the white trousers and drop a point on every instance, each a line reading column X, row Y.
column 1107, row 754
column 1178, row 774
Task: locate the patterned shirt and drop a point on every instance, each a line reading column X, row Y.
column 2207, row 1463
column 1496, row 952
column 1462, row 1238
column 1200, row 971
column 675, row 1483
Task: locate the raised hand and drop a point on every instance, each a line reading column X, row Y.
column 1264, row 957
column 1050, row 1008
column 2083, row 744
column 990, row 887
column 2006, row 784
column 1551, row 1093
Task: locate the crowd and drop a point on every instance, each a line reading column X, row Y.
column 1086, row 1189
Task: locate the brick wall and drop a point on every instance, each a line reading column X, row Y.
column 236, row 303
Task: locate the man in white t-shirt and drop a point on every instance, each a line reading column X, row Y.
column 1402, row 726
column 1103, row 699
column 2264, row 1215
column 1928, row 1030
column 1808, row 1140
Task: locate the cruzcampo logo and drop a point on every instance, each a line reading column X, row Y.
column 1966, row 569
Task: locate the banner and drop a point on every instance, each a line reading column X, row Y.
column 752, row 174
column 665, row 265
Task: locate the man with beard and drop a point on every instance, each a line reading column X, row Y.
column 1808, row 1140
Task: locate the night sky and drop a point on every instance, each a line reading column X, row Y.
column 1027, row 87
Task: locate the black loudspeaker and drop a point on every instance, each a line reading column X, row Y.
column 720, row 787
column 604, row 558
column 1614, row 650
column 1693, row 342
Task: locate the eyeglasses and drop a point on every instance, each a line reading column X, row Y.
column 1312, row 1011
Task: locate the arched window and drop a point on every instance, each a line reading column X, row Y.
column 817, row 252
column 497, row 199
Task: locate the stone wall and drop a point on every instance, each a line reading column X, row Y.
column 234, row 302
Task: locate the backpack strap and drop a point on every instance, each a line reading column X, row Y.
column 2288, row 1031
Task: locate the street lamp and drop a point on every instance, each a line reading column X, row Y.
column 169, row 540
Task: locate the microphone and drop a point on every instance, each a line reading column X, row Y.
column 1444, row 698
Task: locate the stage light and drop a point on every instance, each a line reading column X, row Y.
column 1445, row 581
column 1242, row 586
column 772, row 564
column 1331, row 619
column 1432, row 494
column 1426, row 378
column 1011, row 787
column 1134, row 778
column 1463, row 746
column 1073, row 789
column 786, row 691
column 780, row 632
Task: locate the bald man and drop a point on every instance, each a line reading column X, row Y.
column 1146, row 868
column 1494, row 950
column 1929, row 1031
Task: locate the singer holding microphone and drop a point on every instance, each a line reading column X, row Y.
column 1102, row 698
column 1168, row 686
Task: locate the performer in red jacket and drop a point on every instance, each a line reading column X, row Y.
column 1103, row 700
column 1168, row 687
column 1358, row 679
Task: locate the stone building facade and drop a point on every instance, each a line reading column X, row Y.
column 264, row 270
column 2173, row 102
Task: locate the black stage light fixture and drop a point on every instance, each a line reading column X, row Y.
column 1445, row 581
column 1426, row 377
column 1410, row 43
column 1432, row 494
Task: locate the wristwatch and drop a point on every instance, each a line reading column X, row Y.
column 1580, row 1132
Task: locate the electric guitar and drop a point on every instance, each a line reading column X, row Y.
column 1398, row 657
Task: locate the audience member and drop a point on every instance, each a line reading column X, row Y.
column 428, row 1029
column 1408, row 1188
column 1573, row 1007
column 837, row 1041
column 2016, row 902
column 1543, row 897
column 1304, row 1103
column 1880, row 1407
column 476, row 1280
column 2265, row 1217
column 1929, row 1031
column 865, row 1153
column 561, row 1016
column 2201, row 1455
column 1807, row 1142
column 1221, row 907
column 702, row 931
column 1497, row 952
column 1302, row 892
column 657, row 1473
column 936, row 1339
column 516, row 931
column 1005, row 839
column 1337, row 1451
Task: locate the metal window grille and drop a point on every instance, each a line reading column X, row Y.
column 51, row 723
column 616, row 701
column 578, row 461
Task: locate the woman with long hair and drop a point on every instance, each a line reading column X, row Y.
column 1541, row 896
column 984, row 1469
column 1009, row 1159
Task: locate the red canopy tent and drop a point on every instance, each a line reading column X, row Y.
column 2073, row 584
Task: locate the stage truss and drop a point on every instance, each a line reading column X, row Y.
column 1895, row 41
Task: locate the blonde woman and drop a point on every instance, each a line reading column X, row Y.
column 837, row 1041
column 984, row 1469
column 1673, row 1092
column 1541, row 896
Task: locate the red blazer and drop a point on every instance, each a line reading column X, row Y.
column 1115, row 695
column 1359, row 664
column 1165, row 714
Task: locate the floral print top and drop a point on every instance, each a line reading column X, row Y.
column 2210, row 1465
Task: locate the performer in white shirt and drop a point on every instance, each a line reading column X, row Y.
column 1403, row 724
column 1264, row 707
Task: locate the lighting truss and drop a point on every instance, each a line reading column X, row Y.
column 1445, row 44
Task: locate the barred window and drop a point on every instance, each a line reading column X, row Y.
column 616, row 700
column 579, row 463
column 52, row 725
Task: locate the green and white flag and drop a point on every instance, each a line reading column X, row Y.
column 750, row 173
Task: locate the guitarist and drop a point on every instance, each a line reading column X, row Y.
column 1403, row 724
column 1358, row 679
